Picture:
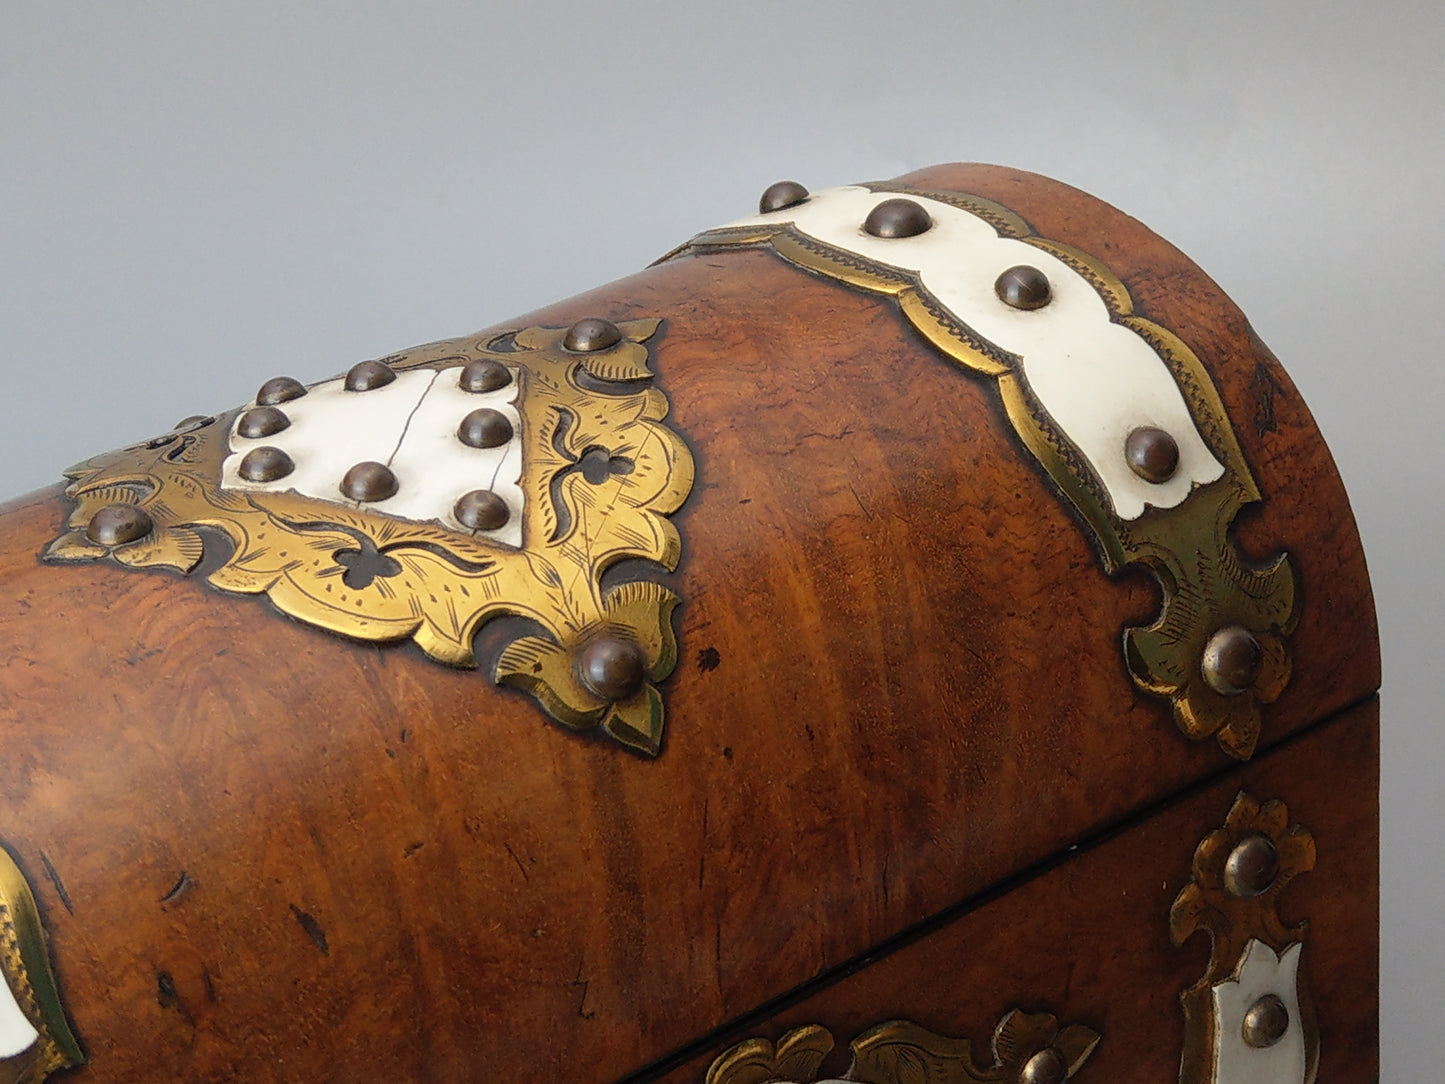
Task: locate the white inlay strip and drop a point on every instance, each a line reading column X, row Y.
column 411, row 425
column 1262, row 972
column 1097, row 380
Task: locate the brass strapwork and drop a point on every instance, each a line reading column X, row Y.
column 600, row 473
column 1208, row 585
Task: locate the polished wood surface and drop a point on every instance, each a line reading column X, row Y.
column 1088, row 940
column 285, row 856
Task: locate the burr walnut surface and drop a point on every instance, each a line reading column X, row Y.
column 263, row 852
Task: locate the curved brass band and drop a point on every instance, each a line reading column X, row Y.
column 1207, row 583
column 901, row 1052
column 25, row 960
column 1236, row 917
column 437, row 585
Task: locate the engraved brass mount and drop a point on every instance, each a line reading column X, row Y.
column 1250, row 1015
column 1026, row 1047
column 426, row 581
column 1208, row 585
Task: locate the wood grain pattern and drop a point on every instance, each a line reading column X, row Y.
column 1089, row 940
column 901, row 682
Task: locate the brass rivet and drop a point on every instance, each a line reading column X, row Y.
column 261, row 422
column 1152, row 454
column 1045, row 1067
column 195, row 421
column 1266, row 1022
column 894, row 218
column 1231, row 660
column 1023, row 287
column 484, row 374
column 781, row 195
column 485, row 428
column 369, row 481
column 278, row 390
column 1251, row 867
column 482, row 510
column 612, row 668
column 592, row 334
column 118, row 524
column 265, row 464
column 369, row 375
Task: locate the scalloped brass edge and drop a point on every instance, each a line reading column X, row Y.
column 1206, row 583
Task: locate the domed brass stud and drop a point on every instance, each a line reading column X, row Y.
column 1251, row 867
column 896, row 218
column 1152, row 454
column 195, row 421
column 781, row 195
column 589, row 335
column 1023, row 287
column 1266, row 1022
column 482, row 510
column 483, row 375
column 612, row 668
column 369, row 481
column 278, row 390
column 485, row 428
column 369, row 375
column 119, row 524
column 265, row 464
column 1231, row 660
column 1045, row 1067
column 260, row 422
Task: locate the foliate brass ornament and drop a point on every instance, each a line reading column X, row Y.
column 1027, row 1048
column 600, row 475
column 1207, row 583
column 1252, row 1002
column 25, row 961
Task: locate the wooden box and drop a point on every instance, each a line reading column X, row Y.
column 915, row 633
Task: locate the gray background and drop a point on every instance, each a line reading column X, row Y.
column 196, row 197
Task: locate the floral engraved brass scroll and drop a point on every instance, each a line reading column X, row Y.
column 35, row 1039
column 1027, row 1049
column 1250, row 1017
column 1116, row 408
column 425, row 494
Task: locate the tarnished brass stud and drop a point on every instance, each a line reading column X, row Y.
column 1152, row 454
column 118, row 524
column 1045, row 1067
column 485, row 428
column 369, row 481
column 1251, row 867
column 369, row 375
column 265, row 464
column 612, row 668
column 895, row 218
column 278, row 390
column 1231, row 660
column 482, row 510
column 1023, row 287
column 484, row 374
column 261, row 422
column 781, row 195
column 195, row 421
column 589, row 335
column 1266, row 1022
